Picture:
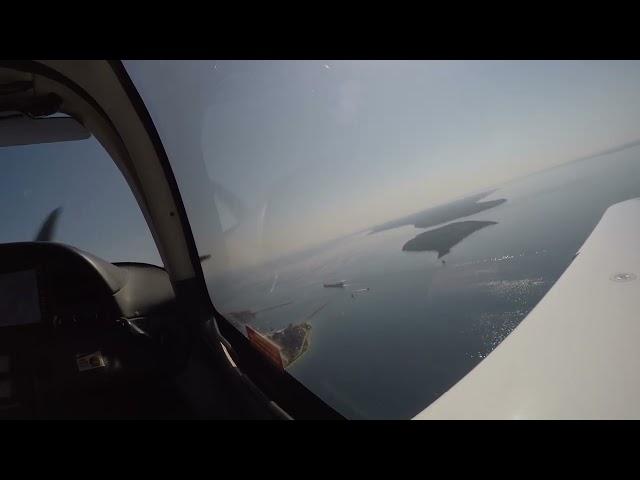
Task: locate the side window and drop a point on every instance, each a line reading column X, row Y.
column 96, row 210
column 377, row 228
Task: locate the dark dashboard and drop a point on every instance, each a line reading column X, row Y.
column 71, row 323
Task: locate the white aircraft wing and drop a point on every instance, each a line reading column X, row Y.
column 577, row 354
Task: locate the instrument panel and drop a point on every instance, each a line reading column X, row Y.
column 53, row 286
column 68, row 322
column 74, row 298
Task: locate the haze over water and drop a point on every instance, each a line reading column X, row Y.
column 391, row 351
column 274, row 159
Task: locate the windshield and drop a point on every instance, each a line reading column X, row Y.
column 94, row 207
column 387, row 224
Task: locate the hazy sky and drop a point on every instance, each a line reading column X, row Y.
column 99, row 213
column 312, row 150
column 331, row 147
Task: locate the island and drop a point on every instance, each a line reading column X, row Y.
column 442, row 239
column 281, row 347
column 292, row 340
column 443, row 213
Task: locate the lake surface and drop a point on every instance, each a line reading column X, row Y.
column 423, row 324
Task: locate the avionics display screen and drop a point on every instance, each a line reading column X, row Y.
column 19, row 300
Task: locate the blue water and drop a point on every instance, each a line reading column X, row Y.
column 423, row 325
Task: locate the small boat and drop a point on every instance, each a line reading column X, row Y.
column 355, row 293
column 340, row 284
column 361, row 290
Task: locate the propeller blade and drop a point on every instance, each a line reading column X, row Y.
column 47, row 230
